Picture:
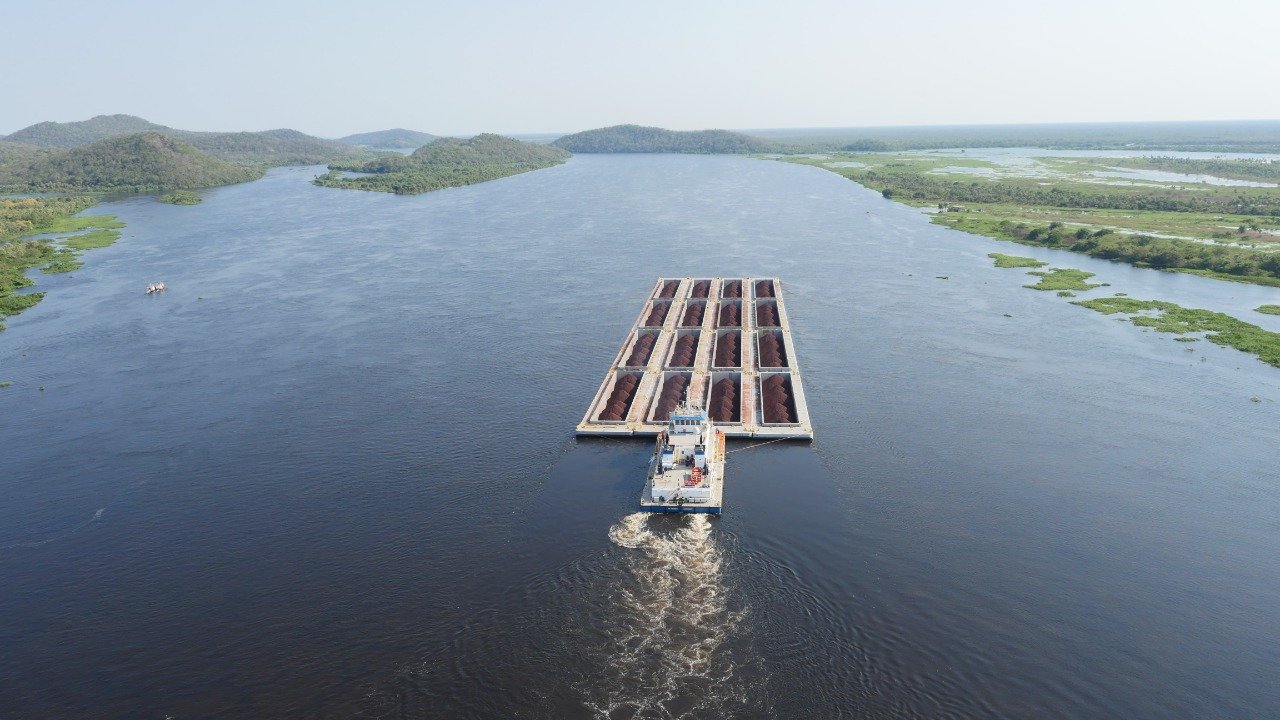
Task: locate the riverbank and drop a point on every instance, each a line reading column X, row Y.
column 23, row 221
column 1217, row 227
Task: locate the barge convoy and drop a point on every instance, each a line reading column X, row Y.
column 707, row 359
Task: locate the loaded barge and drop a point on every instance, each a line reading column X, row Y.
column 709, row 351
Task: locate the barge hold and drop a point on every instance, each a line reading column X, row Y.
column 728, row 341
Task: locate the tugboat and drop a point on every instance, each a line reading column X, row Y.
column 686, row 474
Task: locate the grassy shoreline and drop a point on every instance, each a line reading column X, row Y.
column 23, row 218
column 1222, row 232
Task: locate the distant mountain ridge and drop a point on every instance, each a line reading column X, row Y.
column 142, row 162
column 393, row 139
column 641, row 139
column 269, row 147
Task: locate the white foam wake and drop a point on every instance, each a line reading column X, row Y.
column 668, row 624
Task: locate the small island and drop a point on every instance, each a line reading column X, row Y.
column 1064, row 280
column 1015, row 261
column 180, row 197
column 443, row 163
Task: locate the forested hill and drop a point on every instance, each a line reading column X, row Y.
column 393, row 139
column 75, row 134
column 270, row 147
column 487, row 149
column 640, row 139
column 447, row 162
column 145, row 162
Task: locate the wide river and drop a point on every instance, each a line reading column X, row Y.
column 331, row 472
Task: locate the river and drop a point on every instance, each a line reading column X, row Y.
column 331, row 472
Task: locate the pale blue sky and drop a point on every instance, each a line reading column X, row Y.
column 334, row 68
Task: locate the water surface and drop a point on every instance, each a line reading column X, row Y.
column 330, row 473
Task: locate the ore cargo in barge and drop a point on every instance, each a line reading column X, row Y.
column 708, row 350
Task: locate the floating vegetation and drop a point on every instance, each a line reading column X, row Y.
column 1015, row 261
column 1219, row 328
column 1268, row 309
column 91, row 240
column 1062, row 279
column 64, row 260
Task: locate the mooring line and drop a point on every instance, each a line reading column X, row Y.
column 749, row 447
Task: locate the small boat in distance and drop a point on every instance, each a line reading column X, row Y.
column 155, row 287
column 686, row 474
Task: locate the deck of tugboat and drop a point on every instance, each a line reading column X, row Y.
column 681, row 475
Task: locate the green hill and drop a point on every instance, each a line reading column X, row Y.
column 447, row 162
column 393, row 139
column 134, row 163
column 75, row 134
column 270, row 147
column 639, row 139
column 13, row 150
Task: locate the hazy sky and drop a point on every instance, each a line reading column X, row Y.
column 334, row 68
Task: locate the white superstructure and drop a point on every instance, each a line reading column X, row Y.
column 686, row 473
